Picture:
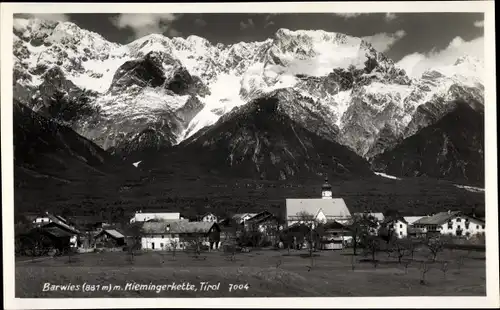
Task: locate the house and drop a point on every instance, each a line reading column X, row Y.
column 146, row 216
column 397, row 225
column 241, row 218
column 322, row 210
column 264, row 222
column 41, row 240
column 109, row 238
column 209, row 217
column 450, row 223
column 333, row 235
column 165, row 235
column 61, row 224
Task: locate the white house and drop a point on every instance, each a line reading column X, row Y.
column 399, row 226
column 321, row 210
column 209, row 217
column 451, row 223
column 146, row 216
column 167, row 235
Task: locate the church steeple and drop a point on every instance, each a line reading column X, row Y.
column 326, row 190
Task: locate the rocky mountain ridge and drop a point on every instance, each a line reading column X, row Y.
column 156, row 92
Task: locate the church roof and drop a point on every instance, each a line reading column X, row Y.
column 326, row 185
column 333, row 208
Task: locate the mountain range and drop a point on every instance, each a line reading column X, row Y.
column 298, row 105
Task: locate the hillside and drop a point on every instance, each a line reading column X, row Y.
column 452, row 149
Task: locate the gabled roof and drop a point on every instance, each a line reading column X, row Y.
column 113, row 233
column 412, row 219
column 177, row 227
column 437, row 219
column 62, row 224
column 56, row 232
column 335, row 207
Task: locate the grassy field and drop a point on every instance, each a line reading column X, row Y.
column 267, row 273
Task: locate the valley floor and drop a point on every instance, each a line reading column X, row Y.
column 267, row 273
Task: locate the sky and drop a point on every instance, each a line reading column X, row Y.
column 415, row 41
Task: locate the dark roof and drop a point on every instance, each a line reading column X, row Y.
column 177, row 227
column 58, row 222
column 437, row 219
column 334, row 225
column 56, row 232
column 111, row 232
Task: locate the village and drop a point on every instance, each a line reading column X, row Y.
column 323, row 223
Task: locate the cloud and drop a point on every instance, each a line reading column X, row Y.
column 200, row 22
column 382, row 42
column 247, row 25
column 269, row 24
column 348, row 15
column 479, row 23
column 59, row 17
column 390, row 17
column 417, row 63
column 146, row 23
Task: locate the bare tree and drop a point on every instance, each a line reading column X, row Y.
column 195, row 242
column 230, row 232
column 134, row 242
column 372, row 246
column 435, row 245
column 444, row 268
column 173, row 245
column 310, row 222
column 400, row 248
column 407, row 264
column 424, row 269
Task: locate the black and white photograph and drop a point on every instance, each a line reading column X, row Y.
column 201, row 153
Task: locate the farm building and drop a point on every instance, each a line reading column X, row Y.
column 450, row 223
column 165, row 235
column 61, row 224
column 333, row 236
column 322, row 210
column 264, row 222
column 109, row 238
column 146, row 216
column 41, row 240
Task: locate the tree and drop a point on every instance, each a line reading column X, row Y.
column 400, row 247
column 435, row 245
column 372, row 246
column 360, row 227
column 312, row 224
column 195, row 242
column 174, row 244
column 424, row 269
column 134, row 243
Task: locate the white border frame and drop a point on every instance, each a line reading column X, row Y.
column 492, row 278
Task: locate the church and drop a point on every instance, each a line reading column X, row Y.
column 323, row 210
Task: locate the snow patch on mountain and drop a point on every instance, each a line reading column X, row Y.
column 387, row 176
column 470, row 188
